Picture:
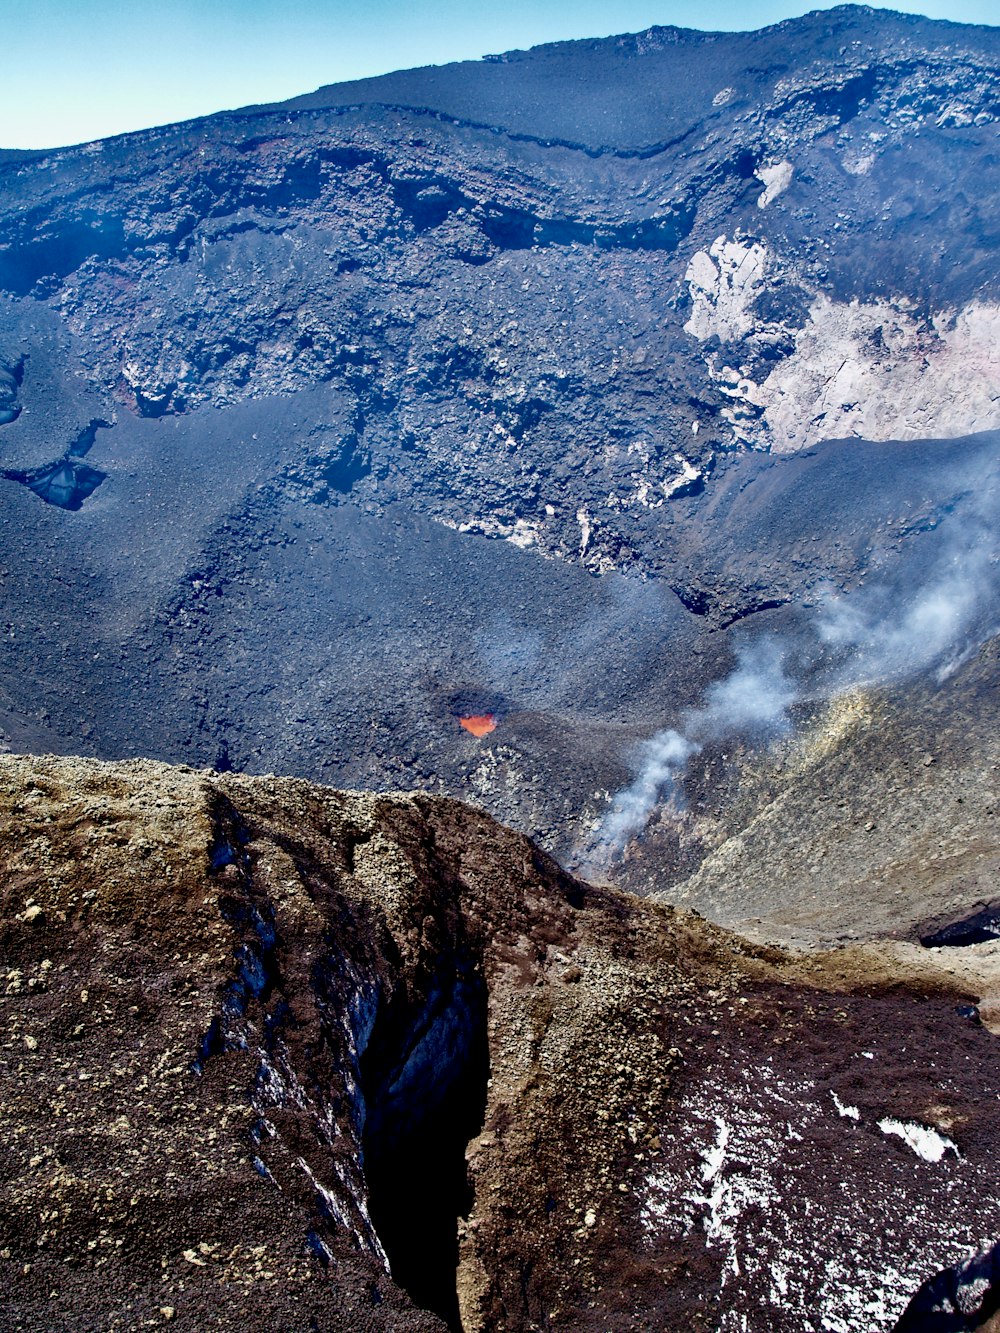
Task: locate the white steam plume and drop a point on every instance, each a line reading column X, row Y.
column 932, row 630
column 868, row 639
column 755, row 698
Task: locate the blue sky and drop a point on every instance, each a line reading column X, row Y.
column 75, row 70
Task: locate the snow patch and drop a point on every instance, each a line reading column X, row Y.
column 926, row 1143
column 685, row 477
column 748, row 1150
column 524, row 534
column 583, row 518
column 521, row 533
column 847, row 1112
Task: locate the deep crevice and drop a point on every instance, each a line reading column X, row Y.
column 701, row 601
column 956, row 1300
column 255, row 952
column 519, row 229
column 67, row 482
column 344, row 470
column 847, row 100
column 767, row 604
column 424, row 1074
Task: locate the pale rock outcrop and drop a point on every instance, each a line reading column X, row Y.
column 776, row 179
column 878, row 372
column 724, row 281
column 874, row 370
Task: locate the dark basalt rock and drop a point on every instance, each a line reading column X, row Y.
column 404, row 401
column 68, row 482
column 978, row 928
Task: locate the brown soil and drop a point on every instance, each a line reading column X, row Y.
column 265, row 1041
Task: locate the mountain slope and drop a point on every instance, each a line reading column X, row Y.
column 267, row 1041
column 327, row 424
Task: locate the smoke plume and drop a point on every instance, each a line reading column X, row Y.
column 870, row 638
column 754, row 699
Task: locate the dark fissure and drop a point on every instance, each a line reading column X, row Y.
column 424, row 1075
column 979, row 928
column 67, row 482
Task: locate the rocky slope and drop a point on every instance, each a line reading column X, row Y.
column 510, row 387
column 637, row 398
column 289, row 1057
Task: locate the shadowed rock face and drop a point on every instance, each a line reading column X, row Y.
column 277, row 1054
column 964, row 1297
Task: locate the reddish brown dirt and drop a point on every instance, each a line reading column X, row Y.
column 218, row 990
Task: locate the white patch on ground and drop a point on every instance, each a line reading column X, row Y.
column 723, row 96
column 847, row 1112
column 524, row 534
column 926, row 1143
column 724, row 281
column 521, row 533
column 584, row 521
column 276, row 1085
column 956, row 115
column 870, row 370
column 877, row 372
column 737, row 1144
column 718, row 1201
column 748, row 1151
column 775, row 179
column 859, row 164
column 328, row 1197
column 687, row 474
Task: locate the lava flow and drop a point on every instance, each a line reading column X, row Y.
column 480, row 725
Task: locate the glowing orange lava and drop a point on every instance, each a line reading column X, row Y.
column 481, row 725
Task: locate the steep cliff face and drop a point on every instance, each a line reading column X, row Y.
column 289, row 1057
column 547, row 311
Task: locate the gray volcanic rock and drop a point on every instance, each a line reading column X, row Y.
column 634, row 403
column 285, row 1057
column 526, row 321
column 532, row 387
column 636, row 93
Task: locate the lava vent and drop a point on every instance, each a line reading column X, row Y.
column 480, row 724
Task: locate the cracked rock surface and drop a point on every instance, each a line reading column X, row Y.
column 235, row 1004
